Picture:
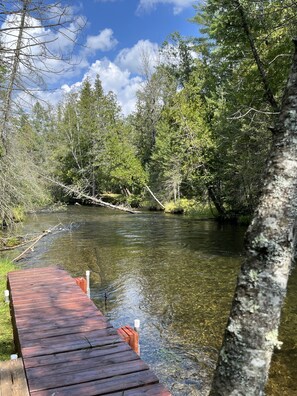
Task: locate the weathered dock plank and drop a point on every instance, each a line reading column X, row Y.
column 76, row 356
column 12, row 378
column 103, row 387
column 67, row 345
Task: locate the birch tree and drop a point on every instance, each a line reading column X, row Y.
column 36, row 40
column 252, row 330
column 30, row 32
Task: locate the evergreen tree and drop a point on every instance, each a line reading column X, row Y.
column 184, row 144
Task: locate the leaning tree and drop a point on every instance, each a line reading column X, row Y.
column 252, row 330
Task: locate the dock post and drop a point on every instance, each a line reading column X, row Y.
column 6, row 295
column 136, row 325
column 136, row 328
column 88, row 283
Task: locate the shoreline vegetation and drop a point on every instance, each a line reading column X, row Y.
column 183, row 206
column 6, row 335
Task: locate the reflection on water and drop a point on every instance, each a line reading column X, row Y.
column 176, row 275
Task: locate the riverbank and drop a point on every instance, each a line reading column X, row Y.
column 6, row 336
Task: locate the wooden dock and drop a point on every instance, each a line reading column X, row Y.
column 68, row 347
column 12, row 378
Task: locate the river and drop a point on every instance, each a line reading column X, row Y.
column 176, row 274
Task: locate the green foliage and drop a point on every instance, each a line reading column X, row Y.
column 18, row 214
column 245, row 48
column 176, row 54
column 201, row 126
column 121, row 167
column 12, row 241
column 6, row 336
column 190, row 207
column 156, row 92
column 183, row 144
column 21, row 187
column 95, row 150
column 244, row 219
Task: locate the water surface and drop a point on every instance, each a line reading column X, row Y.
column 177, row 275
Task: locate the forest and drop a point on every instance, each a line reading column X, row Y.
column 213, row 133
column 199, row 136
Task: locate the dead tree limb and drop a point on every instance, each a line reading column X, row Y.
column 5, row 248
column 36, row 240
column 94, row 200
column 153, row 195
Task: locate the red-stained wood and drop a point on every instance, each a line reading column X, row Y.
column 26, row 335
column 68, row 347
column 130, row 336
column 61, row 303
column 76, row 356
column 86, row 375
column 80, row 365
column 103, row 387
column 149, row 390
column 30, row 272
column 82, row 283
column 98, row 321
column 53, row 312
column 28, row 323
column 46, row 340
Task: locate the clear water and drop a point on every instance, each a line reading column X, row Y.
column 176, row 275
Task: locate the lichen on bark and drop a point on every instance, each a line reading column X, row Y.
column 252, row 330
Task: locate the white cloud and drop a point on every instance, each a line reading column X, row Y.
column 116, row 80
column 113, row 79
column 123, row 76
column 45, row 53
column 104, row 41
column 178, row 5
column 143, row 55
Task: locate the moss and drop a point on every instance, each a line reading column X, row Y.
column 134, row 201
column 253, row 275
column 6, row 336
column 118, row 199
column 244, row 219
column 190, row 207
column 12, row 241
column 18, row 214
column 272, row 339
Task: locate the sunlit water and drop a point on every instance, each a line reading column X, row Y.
column 176, row 275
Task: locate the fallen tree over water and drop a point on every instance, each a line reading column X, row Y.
column 35, row 241
column 94, row 200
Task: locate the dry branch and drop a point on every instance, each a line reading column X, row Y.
column 17, row 246
column 80, row 194
column 153, row 195
column 37, row 239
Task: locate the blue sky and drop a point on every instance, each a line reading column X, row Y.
column 117, row 35
column 130, row 23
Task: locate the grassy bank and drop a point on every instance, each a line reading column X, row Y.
column 190, row 207
column 6, row 338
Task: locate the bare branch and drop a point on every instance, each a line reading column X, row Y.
column 234, row 117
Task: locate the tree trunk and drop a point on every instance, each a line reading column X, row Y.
column 153, row 195
column 252, row 330
column 216, row 201
column 260, row 66
column 94, row 200
column 13, row 75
